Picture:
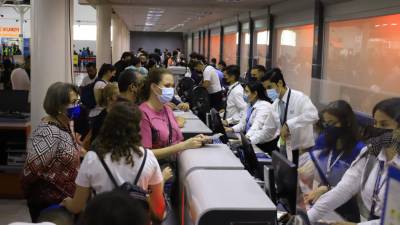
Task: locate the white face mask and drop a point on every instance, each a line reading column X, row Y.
column 167, row 94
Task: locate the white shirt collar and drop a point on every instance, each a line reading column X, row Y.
column 395, row 161
column 285, row 96
column 232, row 85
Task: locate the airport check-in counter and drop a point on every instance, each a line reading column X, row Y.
column 225, row 197
column 215, row 189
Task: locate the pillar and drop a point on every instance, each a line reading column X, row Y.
column 51, row 49
column 117, row 38
column 103, row 42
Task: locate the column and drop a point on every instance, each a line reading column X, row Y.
column 117, row 37
column 103, row 42
column 51, row 49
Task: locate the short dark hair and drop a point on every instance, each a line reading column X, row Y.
column 390, row 107
column 260, row 68
column 256, row 86
column 105, row 68
column 115, row 208
column 274, row 75
column 57, row 98
column 126, row 54
column 222, row 63
column 91, row 65
column 214, row 60
column 135, row 60
column 194, row 62
column 126, row 78
column 345, row 114
column 233, row 70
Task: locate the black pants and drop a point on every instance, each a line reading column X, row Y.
column 36, row 207
column 216, row 100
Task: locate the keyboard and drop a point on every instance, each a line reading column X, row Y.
column 5, row 116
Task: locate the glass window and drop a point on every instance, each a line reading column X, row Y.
column 362, row 57
column 293, row 55
column 261, row 50
column 230, row 47
column 214, row 45
column 201, row 43
column 244, row 49
column 196, row 43
column 206, row 45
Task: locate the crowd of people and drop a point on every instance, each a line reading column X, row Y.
column 15, row 76
column 120, row 122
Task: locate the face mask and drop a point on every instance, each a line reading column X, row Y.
column 371, row 132
column 73, row 112
column 246, row 98
column 166, row 95
column 272, row 94
column 332, row 134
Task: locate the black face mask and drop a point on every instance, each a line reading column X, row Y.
column 388, row 139
column 371, row 132
column 332, row 134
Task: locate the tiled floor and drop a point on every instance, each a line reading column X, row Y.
column 13, row 211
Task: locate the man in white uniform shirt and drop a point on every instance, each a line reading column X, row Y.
column 92, row 74
column 211, row 82
column 235, row 104
column 297, row 113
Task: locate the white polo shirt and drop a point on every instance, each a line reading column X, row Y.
column 210, row 74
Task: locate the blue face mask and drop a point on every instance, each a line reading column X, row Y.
column 166, row 95
column 73, row 112
column 272, row 94
column 246, row 98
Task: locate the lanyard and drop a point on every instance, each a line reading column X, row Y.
column 249, row 112
column 377, row 188
column 329, row 166
column 230, row 89
column 286, row 109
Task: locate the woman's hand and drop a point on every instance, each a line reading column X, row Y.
column 195, row 142
column 183, row 106
column 205, row 139
column 181, row 121
column 313, row 196
column 228, row 129
column 167, row 173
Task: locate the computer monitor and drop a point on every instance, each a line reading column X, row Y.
column 269, row 183
column 249, row 156
column 285, row 174
column 12, row 101
column 217, row 126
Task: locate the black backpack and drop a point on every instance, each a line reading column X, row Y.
column 131, row 189
column 87, row 94
column 185, row 88
column 200, row 104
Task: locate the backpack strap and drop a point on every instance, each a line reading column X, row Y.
column 107, row 170
column 141, row 167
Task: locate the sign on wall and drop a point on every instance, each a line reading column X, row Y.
column 12, row 32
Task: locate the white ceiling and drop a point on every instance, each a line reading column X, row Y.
column 178, row 15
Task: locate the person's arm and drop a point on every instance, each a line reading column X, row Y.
column 207, row 78
column 191, row 143
column 78, row 202
column 349, row 186
column 156, row 200
column 308, row 116
column 241, row 125
column 240, row 104
column 265, row 127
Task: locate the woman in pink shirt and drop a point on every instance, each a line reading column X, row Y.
column 159, row 128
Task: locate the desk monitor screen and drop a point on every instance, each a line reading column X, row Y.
column 217, row 127
column 14, row 101
column 250, row 158
column 285, row 174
